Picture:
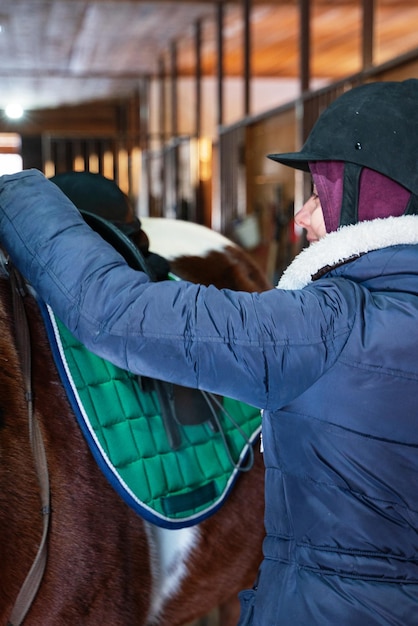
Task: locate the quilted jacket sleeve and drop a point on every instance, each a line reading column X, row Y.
column 263, row 349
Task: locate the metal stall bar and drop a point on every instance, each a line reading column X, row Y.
column 368, row 33
column 247, row 56
column 220, row 72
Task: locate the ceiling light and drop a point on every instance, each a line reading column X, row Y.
column 14, row 111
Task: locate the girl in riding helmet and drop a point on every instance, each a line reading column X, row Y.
column 330, row 356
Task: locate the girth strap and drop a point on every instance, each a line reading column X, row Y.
column 33, row 579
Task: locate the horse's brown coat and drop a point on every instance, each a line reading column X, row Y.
column 98, row 570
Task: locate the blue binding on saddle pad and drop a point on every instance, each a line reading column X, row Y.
column 124, row 428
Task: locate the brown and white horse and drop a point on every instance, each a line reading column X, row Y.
column 105, row 565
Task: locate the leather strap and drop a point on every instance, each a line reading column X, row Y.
column 34, row 577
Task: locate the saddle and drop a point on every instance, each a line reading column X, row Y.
column 106, row 209
column 173, row 453
column 179, row 405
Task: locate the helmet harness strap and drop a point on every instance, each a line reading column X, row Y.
column 350, row 200
column 412, row 206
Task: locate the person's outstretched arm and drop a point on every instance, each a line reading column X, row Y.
column 147, row 328
column 259, row 348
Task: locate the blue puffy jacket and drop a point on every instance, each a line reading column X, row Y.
column 332, row 361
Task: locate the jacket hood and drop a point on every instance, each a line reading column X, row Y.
column 347, row 244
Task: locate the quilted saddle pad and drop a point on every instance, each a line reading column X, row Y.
column 124, row 428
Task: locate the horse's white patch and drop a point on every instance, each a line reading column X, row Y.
column 170, row 550
column 173, row 238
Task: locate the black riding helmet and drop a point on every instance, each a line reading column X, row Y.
column 374, row 126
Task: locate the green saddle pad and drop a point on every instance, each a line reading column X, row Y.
column 124, row 428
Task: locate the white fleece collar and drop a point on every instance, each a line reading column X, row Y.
column 346, row 243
